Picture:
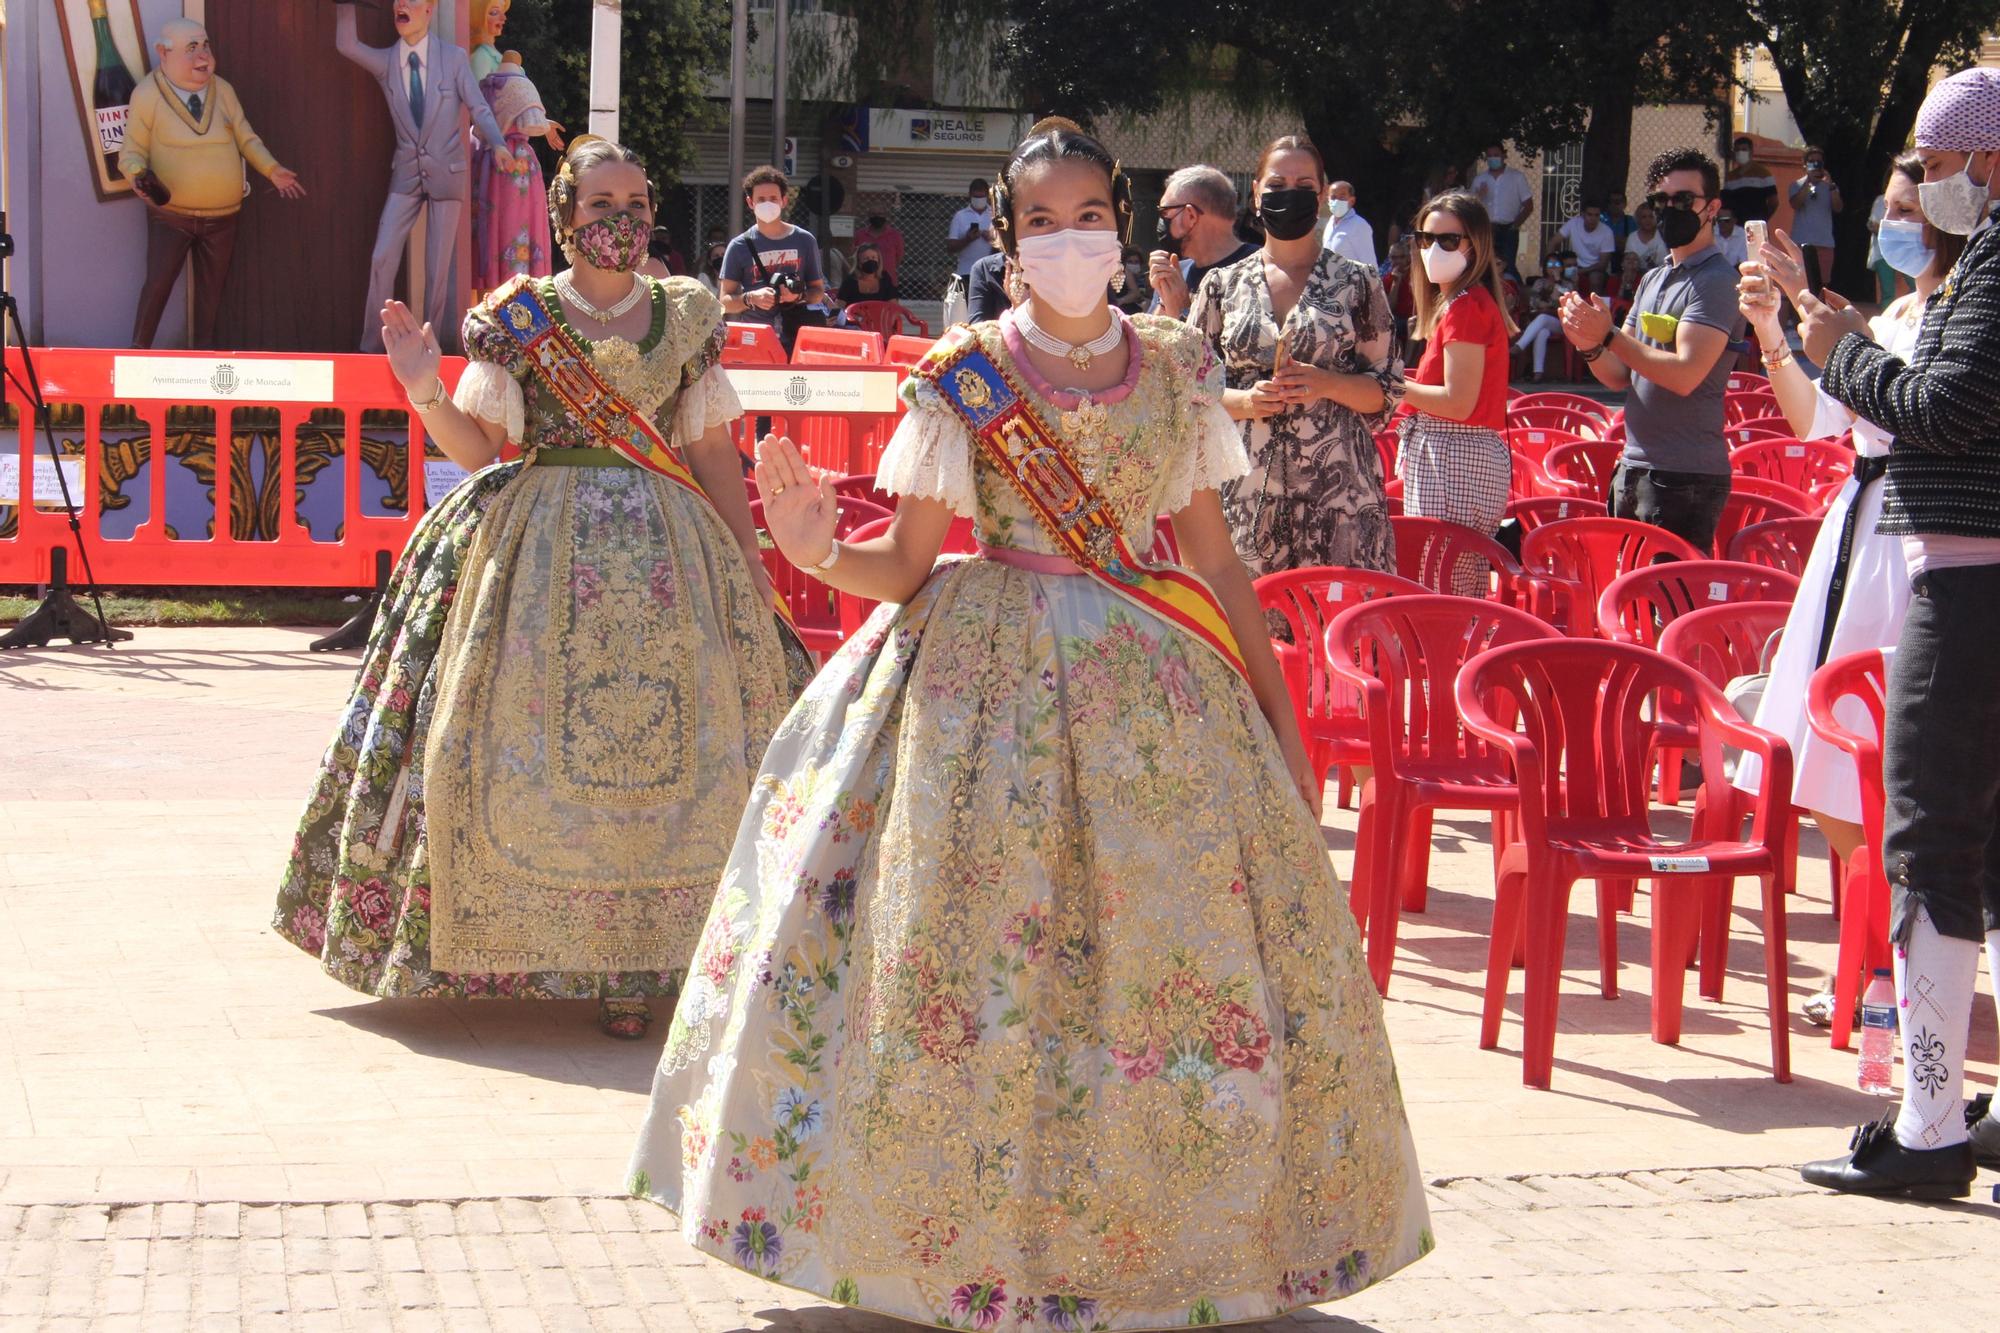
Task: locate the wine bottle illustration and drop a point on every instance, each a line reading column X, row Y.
column 111, row 92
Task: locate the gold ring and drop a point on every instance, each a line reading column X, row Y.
column 777, row 491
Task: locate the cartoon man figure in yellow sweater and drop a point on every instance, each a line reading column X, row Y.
column 185, row 145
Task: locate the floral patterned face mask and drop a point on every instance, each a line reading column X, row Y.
column 616, row 244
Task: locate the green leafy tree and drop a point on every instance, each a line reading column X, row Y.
column 1855, row 73
column 670, row 51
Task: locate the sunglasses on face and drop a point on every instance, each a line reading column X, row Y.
column 1678, row 199
column 1449, row 240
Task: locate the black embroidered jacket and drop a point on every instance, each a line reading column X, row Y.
column 1943, row 406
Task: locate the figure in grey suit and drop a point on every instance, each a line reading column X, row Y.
column 429, row 84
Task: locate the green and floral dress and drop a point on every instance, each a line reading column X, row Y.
column 534, row 787
column 1029, row 1000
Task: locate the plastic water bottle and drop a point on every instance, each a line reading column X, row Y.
column 1876, row 1073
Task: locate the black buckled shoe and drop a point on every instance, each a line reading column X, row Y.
column 1877, row 1164
column 1984, row 1128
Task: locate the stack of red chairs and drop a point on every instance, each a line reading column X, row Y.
column 1581, row 556
column 1858, row 679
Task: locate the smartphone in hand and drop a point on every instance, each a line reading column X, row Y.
column 1754, row 233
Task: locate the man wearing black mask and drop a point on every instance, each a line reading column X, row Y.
column 1197, row 231
column 1672, row 355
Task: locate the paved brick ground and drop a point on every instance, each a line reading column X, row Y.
column 182, row 1093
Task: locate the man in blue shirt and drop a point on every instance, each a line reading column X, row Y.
column 772, row 269
column 1673, row 357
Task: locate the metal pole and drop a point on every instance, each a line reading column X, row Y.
column 739, row 37
column 606, row 22
column 781, row 73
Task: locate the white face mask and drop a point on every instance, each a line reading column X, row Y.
column 768, row 210
column 1444, row 267
column 1068, row 271
column 1339, row 208
column 1743, row 157
column 978, row 205
column 1957, row 204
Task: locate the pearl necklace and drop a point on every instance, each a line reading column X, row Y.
column 567, row 288
column 1080, row 355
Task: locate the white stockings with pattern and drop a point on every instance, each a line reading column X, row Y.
column 1934, row 981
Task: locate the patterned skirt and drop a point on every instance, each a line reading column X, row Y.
column 1029, row 999
column 548, row 745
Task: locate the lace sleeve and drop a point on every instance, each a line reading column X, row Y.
column 930, row 455
column 486, row 392
column 708, row 402
column 1215, row 451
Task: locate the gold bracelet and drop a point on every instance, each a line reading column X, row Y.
column 431, row 405
column 832, row 558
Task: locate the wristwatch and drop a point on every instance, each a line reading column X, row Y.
column 832, row 558
column 1609, row 335
column 431, row 404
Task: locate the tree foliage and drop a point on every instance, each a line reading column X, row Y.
column 670, row 50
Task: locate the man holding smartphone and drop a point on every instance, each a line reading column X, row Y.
column 1815, row 199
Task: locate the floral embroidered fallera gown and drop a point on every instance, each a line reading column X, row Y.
column 1029, row 1000
column 535, row 784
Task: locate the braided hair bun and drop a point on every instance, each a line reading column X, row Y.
column 1058, row 139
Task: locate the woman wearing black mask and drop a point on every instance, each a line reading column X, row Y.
column 867, row 282
column 1309, row 346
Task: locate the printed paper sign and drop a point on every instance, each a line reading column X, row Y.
column 48, row 491
column 1795, row 451
column 440, row 475
column 1718, row 592
column 1680, row 865
column 184, row 379
column 795, row 390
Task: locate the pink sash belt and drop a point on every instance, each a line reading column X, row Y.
column 1032, row 561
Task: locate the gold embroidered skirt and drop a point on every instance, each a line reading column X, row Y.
column 607, row 683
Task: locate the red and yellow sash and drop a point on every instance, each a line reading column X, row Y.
column 1039, row 466
column 567, row 371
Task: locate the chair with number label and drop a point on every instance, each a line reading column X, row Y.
column 1781, row 543
column 1585, row 554
column 1804, row 465
column 1574, row 717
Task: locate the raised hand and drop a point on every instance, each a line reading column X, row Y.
column 1585, row 319
column 412, row 348
column 1757, row 296
column 1784, row 262
column 800, row 507
column 1824, row 321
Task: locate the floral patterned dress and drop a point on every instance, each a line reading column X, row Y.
column 510, row 207
column 1313, row 495
column 1029, row 999
column 535, row 784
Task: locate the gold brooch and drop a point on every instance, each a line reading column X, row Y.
column 519, row 317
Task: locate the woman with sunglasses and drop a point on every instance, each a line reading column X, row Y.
column 1309, row 347
column 1454, row 459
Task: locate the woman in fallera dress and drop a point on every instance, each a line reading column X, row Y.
column 533, row 788
column 1029, row 999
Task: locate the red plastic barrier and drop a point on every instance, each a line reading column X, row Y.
column 753, row 345
column 158, row 382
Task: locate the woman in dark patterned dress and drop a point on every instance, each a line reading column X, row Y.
column 1308, row 345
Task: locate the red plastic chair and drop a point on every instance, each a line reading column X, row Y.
column 1588, row 424
column 904, row 350
column 1740, row 433
column 1586, row 554
column 1438, row 555
column 1574, row 402
column 1586, row 465
column 1749, row 406
column 1780, row 543
column 961, row 538
column 814, row 612
column 861, row 486
column 1389, row 444
column 1747, row 381
column 1864, row 920
column 1402, row 654
column 1804, row 465
column 1536, row 441
column 884, row 317
column 1636, row 607
column 1746, row 510
column 1768, row 489
column 1536, row 510
column 1304, row 601
column 852, row 348
column 1580, row 754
